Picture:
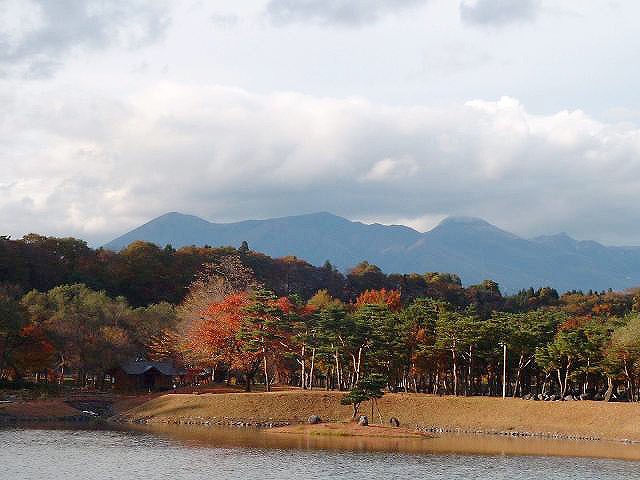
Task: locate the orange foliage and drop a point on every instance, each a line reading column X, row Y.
column 575, row 323
column 216, row 337
column 391, row 298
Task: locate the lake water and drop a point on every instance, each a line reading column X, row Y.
column 221, row 454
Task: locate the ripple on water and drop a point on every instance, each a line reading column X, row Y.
column 108, row 454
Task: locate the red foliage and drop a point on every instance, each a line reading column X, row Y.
column 36, row 350
column 391, row 298
column 284, row 305
column 216, row 337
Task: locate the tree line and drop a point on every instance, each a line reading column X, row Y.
column 585, row 346
column 146, row 274
column 240, row 316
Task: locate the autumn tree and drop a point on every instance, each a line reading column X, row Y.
column 218, row 339
column 13, row 320
column 84, row 326
column 389, row 298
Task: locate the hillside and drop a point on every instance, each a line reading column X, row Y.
column 470, row 247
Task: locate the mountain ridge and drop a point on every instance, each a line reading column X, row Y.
column 468, row 246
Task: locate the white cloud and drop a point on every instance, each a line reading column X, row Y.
column 37, row 35
column 95, row 166
column 334, row 12
column 392, row 169
column 498, row 12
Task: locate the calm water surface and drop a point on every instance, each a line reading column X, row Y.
column 216, row 454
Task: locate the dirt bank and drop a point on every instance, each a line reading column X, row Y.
column 583, row 420
column 68, row 408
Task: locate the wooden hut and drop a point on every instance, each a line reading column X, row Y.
column 144, row 375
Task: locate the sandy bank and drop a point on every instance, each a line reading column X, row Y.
column 576, row 420
column 350, row 429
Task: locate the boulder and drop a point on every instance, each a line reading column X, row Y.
column 585, row 396
column 568, row 398
column 526, row 396
column 363, row 421
column 394, row 422
column 541, row 396
column 314, row 420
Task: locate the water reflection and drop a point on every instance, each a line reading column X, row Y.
column 194, row 453
column 443, row 444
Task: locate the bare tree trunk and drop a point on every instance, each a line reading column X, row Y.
column 455, row 372
column 521, row 366
column 609, row 392
column 353, row 374
column 303, row 371
column 267, row 386
column 564, row 383
column 468, row 382
column 338, row 378
column 375, row 401
column 62, row 365
column 313, row 361
column 586, row 380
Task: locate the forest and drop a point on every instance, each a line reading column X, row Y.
column 235, row 315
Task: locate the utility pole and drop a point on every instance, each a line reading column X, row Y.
column 504, row 369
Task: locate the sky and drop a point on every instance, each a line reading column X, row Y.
column 523, row 112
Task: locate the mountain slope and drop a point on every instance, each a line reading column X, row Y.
column 470, row 247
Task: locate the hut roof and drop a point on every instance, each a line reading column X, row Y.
column 139, row 367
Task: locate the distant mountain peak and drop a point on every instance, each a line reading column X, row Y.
column 468, row 246
column 174, row 215
column 459, row 224
column 462, row 220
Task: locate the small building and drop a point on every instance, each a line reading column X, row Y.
column 144, row 375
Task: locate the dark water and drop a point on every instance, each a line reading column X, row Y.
column 108, row 454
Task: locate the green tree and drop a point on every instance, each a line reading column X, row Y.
column 262, row 327
column 370, row 387
column 457, row 333
column 562, row 356
column 523, row 333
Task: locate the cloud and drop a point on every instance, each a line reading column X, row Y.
column 225, row 20
column 391, row 169
column 334, row 12
column 95, row 167
column 498, row 12
column 37, row 35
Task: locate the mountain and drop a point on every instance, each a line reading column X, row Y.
column 470, row 247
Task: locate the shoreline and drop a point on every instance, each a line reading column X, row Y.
column 496, row 417
column 288, row 411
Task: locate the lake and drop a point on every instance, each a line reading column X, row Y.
column 217, row 453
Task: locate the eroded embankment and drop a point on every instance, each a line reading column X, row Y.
column 576, row 420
